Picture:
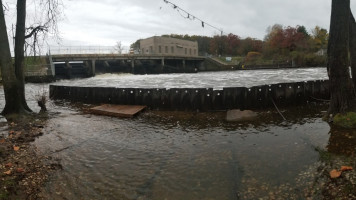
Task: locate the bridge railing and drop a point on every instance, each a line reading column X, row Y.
column 58, row 50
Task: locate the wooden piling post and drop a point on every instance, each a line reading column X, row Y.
column 217, row 100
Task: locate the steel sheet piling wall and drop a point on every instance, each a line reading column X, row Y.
column 199, row 99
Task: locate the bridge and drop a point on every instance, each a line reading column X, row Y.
column 86, row 61
column 129, row 63
column 82, row 62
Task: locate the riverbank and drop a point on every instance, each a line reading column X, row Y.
column 339, row 152
column 23, row 171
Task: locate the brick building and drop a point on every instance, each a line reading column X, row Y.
column 168, row 46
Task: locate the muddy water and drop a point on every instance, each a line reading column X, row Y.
column 176, row 155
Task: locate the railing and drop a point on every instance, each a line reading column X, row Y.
column 57, row 50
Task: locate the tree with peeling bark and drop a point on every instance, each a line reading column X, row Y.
column 341, row 87
column 13, row 72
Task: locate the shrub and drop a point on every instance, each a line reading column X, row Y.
column 252, row 55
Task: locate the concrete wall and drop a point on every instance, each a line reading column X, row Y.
column 168, row 46
column 203, row 99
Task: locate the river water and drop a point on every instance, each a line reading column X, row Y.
column 216, row 80
column 183, row 155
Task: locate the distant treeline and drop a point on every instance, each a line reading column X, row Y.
column 280, row 44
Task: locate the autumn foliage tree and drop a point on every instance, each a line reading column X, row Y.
column 279, row 42
column 232, row 44
column 250, row 45
column 284, row 40
column 218, row 45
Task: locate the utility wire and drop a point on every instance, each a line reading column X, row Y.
column 191, row 17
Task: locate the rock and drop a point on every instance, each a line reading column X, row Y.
column 238, row 115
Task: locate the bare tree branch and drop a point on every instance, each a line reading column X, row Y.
column 47, row 25
column 35, row 30
column 6, row 7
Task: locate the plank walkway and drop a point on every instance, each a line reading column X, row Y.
column 125, row 111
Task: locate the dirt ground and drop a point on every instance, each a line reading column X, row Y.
column 22, row 170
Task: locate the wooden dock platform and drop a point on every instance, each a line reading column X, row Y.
column 124, row 111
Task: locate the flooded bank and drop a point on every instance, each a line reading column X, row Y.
column 177, row 155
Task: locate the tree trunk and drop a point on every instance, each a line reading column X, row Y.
column 352, row 41
column 12, row 75
column 341, row 88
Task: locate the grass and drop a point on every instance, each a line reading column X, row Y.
column 4, row 194
column 234, row 60
column 259, row 61
column 324, row 156
column 35, row 63
column 347, row 120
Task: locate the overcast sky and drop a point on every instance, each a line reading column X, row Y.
column 104, row 22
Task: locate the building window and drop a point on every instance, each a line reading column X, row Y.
column 159, row 49
column 190, row 51
column 195, row 52
column 172, row 50
column 166, row 49
column 143, row 51
column 151, row 49
column 186, row 52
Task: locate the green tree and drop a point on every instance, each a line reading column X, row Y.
column 135, row 45
column 303, row 30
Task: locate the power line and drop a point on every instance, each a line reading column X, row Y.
column 191, row 17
